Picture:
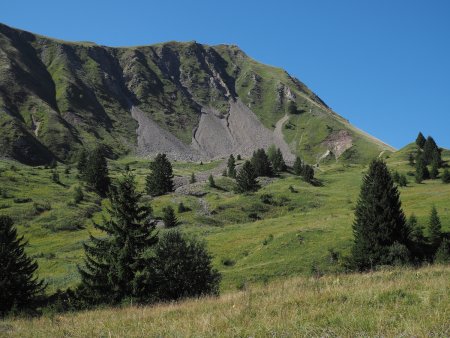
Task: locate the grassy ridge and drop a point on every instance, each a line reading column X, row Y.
column 396, row 302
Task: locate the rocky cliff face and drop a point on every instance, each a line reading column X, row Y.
column 187, row 99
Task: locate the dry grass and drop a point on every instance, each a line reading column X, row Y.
column 395, row 302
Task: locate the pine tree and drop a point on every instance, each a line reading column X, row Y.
column 380, row 229
column 308, row 173
column 231, row 166
column 19, row 288
column 211, row 181
column 430, row 150
column 182, row 268
column 169, row 218
column 261, row 163
column 82, row 162
column 246, row 178
column 160, row 179
column 277, row 160
column 435, row 228
column 416, row 234
column 434, row 172
column 96, row 172
column 422, row 172
column 420, row 140
column 114, row 262
column 193, row 178
column 298, row 166
column 442, row 255
column 446, row 176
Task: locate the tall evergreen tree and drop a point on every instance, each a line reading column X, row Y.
column 160, row 179
column 113, row 263
column 380, row 227
column 435, row 228
column 430, row 151
column 96, row 173
column 261, row 163
column 277, row 160
column 422, row 172
column 298, row 166
column 19, row 288
column 231, row 164
column 246, row 178
column 434, row 172
column 420, row 140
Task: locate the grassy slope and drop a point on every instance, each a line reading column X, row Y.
column 397, row 302
column 293, row 234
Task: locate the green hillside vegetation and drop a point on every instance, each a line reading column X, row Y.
column 288, row 227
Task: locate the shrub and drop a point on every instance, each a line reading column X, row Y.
column 39, row 208
column 22, row 200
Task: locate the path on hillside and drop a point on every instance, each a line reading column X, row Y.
column 280, row 142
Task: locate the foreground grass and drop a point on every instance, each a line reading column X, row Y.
column 395, row 302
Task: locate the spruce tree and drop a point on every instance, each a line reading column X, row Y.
column 416, row 234
column 246, row 178
column 96, row 172
column 308, row 173
column 160, row 179
column 446, row 176
column 420, row 140
column 277, row 160
column 261, row 163
column 19, row 288
column 422, row 172
column 442, row 255
column 231, row 165
column 380, row 228
column 113, row 263
column 298, row 166
column 169, row 218
column 434, row 172
column 430, row 150
column 434, row 228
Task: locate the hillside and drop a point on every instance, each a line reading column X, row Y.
column 191, row 101
column 389, row 303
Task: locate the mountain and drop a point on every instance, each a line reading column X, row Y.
column 189, row 100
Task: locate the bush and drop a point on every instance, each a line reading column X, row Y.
column 22, row 200
column 182, row 208
column 267, row 199
column 39, row 208
column 78, row 195
column 182, row 268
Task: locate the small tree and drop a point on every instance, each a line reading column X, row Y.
column 246, row 178
column 55, row 176
column 308, row 173
column 435, row 228
column 277, row 160
column 402, row 181
column 442, row 255
column 446, row 176
column 78, row 195
column 416, row 234
column 211, row 181
column 96, row 172
column 298, row 166
column 114, row 264
column 231, row 165
column 380, row 229
column 19, row 288
column 160, row 179
column 261, row 163
column 182, row 268
column 193, row 178
column 420, row 140
column 169, row 218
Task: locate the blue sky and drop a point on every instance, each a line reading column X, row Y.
column 384, row 65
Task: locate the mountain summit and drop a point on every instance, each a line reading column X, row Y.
column 189, row 100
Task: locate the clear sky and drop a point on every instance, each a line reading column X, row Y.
column 382, row 64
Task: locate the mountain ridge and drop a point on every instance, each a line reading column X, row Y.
column 57, row 97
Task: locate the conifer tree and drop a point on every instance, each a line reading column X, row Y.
column 416, row 234
column 182, row 268
column 193, row 178
column 246, row 178
column 96, row 172
column 169, row 218
column 261, row 163
column 380, row 227
column 82, row 161
column 19, row 288
column 422, row 172
column 298, row 166
column 435, row 228
column 277, row 160
column 403, row 181
column 434, row 172
column 442, row 255
column 420, row 140
column 160, row 179
column 231, row 166
column 446, row 176
column 308, row 173
column 211, row 181
column 430, row 151
column 114, row 262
